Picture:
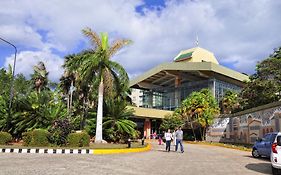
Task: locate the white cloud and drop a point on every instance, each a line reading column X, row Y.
column 238, row 32
column 27, row 59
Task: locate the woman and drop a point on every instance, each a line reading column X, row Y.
column 168, row 137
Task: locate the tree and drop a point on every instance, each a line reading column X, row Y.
column 117, row 124
column 200, row 107
column 265, row 85
column 171, row 121
column 40, row 77
column 97, row 67
column 229, row 102
column 36, row 110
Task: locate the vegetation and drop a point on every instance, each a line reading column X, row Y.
column 118, row 127
column 72, row 105
column 171, row 121
column 229, row 102
column 5, row 138
column 59, row 131
column 37, row 137
column 265, row 85
column 99, row 69
column 80, row 139
column 200, row 108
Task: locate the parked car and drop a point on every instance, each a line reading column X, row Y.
column 275, row 157
column 262, row 147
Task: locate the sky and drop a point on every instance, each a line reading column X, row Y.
column 240, row 33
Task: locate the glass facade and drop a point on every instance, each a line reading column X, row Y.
column 171, row 98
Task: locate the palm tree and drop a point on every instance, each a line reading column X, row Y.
column 39, row 77
column 117, row 124
column 97, row 67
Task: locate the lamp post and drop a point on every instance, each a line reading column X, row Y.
column 12, row 82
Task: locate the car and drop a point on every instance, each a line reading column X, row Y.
column 262, row 146
column 275, row 156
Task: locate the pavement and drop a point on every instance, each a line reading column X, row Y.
column 196, row 160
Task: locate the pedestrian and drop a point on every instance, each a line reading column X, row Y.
column 179, row 137
column 168, row 137
column 159, row 138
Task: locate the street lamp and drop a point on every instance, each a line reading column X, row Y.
column 12, row 82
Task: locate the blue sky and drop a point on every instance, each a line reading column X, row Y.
column 240, row 33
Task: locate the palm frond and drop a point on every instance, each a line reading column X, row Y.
column 93, row 36
column 117, row 45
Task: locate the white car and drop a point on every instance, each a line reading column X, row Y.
column 275, row 156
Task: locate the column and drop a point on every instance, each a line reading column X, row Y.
column 147, row 128
column 177, row 91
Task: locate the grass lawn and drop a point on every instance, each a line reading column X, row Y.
column 91, row 146
column 243, row 147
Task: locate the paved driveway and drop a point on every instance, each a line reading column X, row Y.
column 196, row 160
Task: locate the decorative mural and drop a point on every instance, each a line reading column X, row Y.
column 245, row 128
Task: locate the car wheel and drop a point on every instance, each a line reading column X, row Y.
column 275, row 171
column 255, row 153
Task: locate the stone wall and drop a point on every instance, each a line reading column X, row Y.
column 246, row 126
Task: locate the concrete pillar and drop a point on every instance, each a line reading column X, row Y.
column 177, row 91
column 147, row 128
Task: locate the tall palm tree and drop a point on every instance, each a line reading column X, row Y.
column 97, row 68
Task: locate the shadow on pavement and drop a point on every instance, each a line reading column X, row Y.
column 264, row 168
column 266, row 159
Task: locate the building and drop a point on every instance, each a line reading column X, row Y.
column 165, row 86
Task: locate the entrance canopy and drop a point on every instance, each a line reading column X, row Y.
column 165, row 75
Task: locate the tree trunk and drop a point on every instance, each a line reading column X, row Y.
column 193, row 131
column 85, row 114
column 98, row 138
column 201, row 135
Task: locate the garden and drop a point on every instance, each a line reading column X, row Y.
column 88, row 105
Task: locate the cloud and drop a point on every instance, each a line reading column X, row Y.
column 27, row 59
column 238, row 32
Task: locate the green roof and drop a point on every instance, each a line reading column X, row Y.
column 184, row 56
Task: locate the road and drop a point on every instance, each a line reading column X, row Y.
column 196, row 160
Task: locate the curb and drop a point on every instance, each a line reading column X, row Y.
column 46, row 151
column 74, row 151
column 119, row 151
column 234, row 147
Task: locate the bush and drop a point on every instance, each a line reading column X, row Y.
column 5, row 137
column 78, row 139
column 59, row 131
column 27, row 137
column 37, row 137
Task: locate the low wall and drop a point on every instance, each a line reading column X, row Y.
column 246, row 126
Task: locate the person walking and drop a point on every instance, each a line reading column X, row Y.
column 179, row 137
column 168, row 137
column 159, row 138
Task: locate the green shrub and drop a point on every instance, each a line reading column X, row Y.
column 59, row 131
column 78, row 139
column 27, row 137
column 5, row 137
column 37, row 137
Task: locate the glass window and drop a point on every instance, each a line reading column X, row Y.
column 267, row 137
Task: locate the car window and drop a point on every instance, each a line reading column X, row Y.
column 273, row 137
column 267, row 137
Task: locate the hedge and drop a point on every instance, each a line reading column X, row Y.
column 5, row 138
column 80, row 139
column 37, row 137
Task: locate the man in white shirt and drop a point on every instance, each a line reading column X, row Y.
column 168, row 137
